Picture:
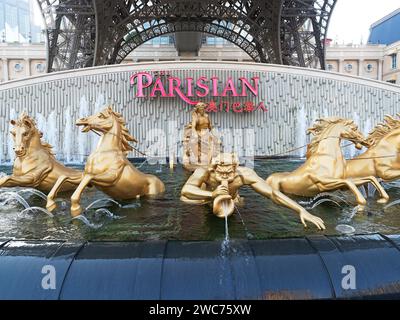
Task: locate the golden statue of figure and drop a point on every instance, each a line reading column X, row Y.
column 35, row 165
column 325, row 168
column 382, row 159
column 108, row 168
column 219, row 186
column 200, row 143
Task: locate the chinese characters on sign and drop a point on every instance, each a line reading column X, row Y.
column 236, row 107
column 164, row 85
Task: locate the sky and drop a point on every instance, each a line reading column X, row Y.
column 351, row 19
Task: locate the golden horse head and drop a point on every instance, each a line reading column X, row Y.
column 334, row 127
column 24, row 132
column 104, row 122
column 382, row 130
column 381, row 160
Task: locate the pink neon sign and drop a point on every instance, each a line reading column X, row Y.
column 170, row 87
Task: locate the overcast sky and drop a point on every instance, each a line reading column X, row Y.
column 351, row 19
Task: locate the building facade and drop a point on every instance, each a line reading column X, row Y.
column 378, row 62
column 378, row 59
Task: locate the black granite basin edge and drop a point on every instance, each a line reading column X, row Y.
column 316, row 267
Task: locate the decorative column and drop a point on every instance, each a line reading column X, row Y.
column 380, row 69
column 341, row 66
column 28, row 67
column 5, row 69
column 360, row 67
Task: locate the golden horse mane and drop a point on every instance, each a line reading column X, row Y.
column 383, row 129
column 319, row 127
column 25, row 121
column 126, row 137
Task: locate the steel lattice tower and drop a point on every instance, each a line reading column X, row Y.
column 84, row 33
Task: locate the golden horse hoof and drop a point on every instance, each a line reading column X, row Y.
column 76, row 211
column 51, row 205
column 360, row 208
column 383, row 200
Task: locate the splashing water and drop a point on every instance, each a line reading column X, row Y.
column 248, row 234
column 392, row 204
column 33, row 191
column 83, row 139
column 371, row 190
column 103, row 200
column 10, row 140
column 319, row 196
column 345, row 229
column 362, row 191
column 107, row 213
column 351, row 216
column 224, row 245
column 9, row 196
column 68, row 149
column 225, row 209
column 37, row 209
column 1, row 149
column 52, row 132
column 87, row 222
column 318, row 203
column 301, row 129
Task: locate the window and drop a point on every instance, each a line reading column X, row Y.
column 394, row 61
column 329, row 67
column 349, row 67
column 18, row 67
column 369, row 67
column 40, row 67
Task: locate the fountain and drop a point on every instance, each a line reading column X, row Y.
column 83, row 140
column 301, row 132
column 213, row 187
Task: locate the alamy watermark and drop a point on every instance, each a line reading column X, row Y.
column 49, row 280
column 349, row 281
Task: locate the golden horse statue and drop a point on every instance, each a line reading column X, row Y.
column 200, row 142
column 35, row 165
column 325, row 167
column 382, row 159
column 219, row 184
column 108, row 168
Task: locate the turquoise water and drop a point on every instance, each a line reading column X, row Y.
column 167, row 218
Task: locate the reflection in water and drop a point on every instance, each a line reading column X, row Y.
column 166, row 217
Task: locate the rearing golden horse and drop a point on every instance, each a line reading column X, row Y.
column 382, row 159
column 35, row 165
column 325, row 168
column 108, row 168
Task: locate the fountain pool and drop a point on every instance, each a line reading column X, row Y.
column 167, row 218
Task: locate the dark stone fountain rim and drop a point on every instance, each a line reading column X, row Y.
column 293, row 268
